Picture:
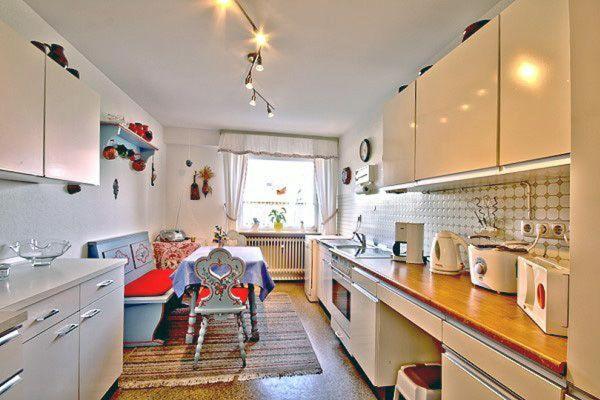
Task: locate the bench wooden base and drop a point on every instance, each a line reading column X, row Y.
column 144, row 317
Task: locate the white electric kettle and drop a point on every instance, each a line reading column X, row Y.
column 445, row 257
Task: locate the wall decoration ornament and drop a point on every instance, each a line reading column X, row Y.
column 116, row 188
column 346, row 176
column 194, row 189
column 153, row 175
column 206, row 174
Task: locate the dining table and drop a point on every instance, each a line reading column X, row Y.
column 256, row 274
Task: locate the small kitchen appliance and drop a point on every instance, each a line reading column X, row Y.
column 543, row 293
column 445, row 256
column 408, row 246
column 494, row 267
column 171, row 235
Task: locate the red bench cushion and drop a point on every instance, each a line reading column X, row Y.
column 240, row 292
column 154, row 283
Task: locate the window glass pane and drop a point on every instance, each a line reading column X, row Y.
column 275, row 183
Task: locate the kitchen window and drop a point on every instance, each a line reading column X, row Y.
column 273, row 183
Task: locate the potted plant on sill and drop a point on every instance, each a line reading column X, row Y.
column 278, row 218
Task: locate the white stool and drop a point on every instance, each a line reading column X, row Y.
column 419, row 382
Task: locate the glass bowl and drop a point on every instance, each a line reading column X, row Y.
column 40, row 252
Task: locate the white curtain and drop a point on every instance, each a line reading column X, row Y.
column 234, row 175
column 326, row 185
column 277, row 145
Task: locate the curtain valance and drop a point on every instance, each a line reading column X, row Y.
column 278, row 145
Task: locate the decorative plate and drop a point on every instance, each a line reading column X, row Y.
column 346, row 176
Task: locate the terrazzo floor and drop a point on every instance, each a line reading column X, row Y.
column 340, row 378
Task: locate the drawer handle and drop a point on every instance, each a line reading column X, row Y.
column 91, row 313
column 8, row 337
column 105, row 283
column 50, row 313
column 66, row 330
column 6, row 386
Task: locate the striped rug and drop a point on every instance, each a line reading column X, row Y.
column 284, row 349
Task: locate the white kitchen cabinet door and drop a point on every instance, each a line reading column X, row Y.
column 21, row 104
column 101, row 345
column 318, row 263
column 363, row 328
column 51, row 362
column 457, row 108
column 399, row 138
column 327, row 285
column 458, row 383
column 72, row 136
column 535, row 100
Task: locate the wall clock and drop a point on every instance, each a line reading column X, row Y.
column 365, row 150
column 346, row 176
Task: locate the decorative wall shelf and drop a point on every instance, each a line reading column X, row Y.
column 122, row 135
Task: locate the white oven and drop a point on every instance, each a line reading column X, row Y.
column 341, row 297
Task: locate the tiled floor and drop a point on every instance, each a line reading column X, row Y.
column 339, row 380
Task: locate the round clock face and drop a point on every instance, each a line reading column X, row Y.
column 365, row 150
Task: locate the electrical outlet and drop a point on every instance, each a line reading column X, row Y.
column 558, row 230
column 547, row 229
column 542, row 229
column 527, row 228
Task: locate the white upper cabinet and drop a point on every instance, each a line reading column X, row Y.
column 399, row 138
column 21, row 104
column 457, row 108
column 72, row 137
column 535, row 89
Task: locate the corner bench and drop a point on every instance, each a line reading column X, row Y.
column 149, row 292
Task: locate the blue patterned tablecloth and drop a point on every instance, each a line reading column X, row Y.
column 256, row 270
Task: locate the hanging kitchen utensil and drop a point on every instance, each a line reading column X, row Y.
column 153, row 175
column 194, row 189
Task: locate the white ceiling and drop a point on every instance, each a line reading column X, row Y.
column 330, row 62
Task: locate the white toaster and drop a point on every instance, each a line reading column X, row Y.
column 494, row 268
column 543, row 293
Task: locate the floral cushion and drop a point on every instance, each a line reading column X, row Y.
column 168, row 255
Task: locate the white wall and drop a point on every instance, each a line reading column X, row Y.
column 46, row 210
column 197, row 217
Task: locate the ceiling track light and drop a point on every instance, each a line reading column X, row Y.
column 254, row 58
column 248, row 81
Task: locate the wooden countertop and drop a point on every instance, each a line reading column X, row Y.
column 495, row 315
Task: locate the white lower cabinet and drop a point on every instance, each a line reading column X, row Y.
column 51, row 362
column 363, row 325
column 101, row 345
column 460, row 382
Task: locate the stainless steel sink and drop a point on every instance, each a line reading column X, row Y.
column 369, row 252
column 337, row 243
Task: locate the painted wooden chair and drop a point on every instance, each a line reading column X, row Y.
column 221, row 294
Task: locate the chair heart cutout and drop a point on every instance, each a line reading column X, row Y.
column 220, row 271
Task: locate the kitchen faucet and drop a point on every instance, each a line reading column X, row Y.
column 360, row 236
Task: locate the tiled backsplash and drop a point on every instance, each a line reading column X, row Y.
column 454, row 210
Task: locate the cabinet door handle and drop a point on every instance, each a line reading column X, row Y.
column 8, row 337
column 66, row 330
column 6, row 386
column 49, row 314
column 105, row 283
column 91, row 313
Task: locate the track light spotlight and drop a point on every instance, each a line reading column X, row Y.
column 259, row 64
column 253, row 99
column 248, row 82
column 270, row 112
